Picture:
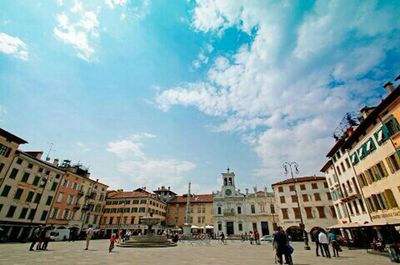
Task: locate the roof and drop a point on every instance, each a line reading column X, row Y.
column 336, row 147
column 198, row 198
column 162, row 189
column 130, row 194
column 300, row 179
column 11, row 137
column 372, row 117
column 326, row 166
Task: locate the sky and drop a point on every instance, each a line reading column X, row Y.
column 156, row 92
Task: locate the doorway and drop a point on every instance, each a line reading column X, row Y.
column 229, row 228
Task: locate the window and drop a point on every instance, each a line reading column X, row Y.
column 6, row 190
column 11, row 211
column 302, row 187
column 65, row 214
column 49, row 200
column 282, row 198
column 54, row 213
column 305, row 197
column 328, row 195
column 23, row 213
column 4, row 150
column 36, row 181
column 325, row 184
column 32, row 214
column 240, row 227
column 314, row 186
column 110, row 222
column 343, row 168
column 294, row 198
column 47, row 172
column 321, row 211
column 40, row 170
column 317, row 196
column 253, row 208
column 54, row 186
column 132, row 220
column 38, row 197
column 30, row 196
column 350, row 208
column 239, row 210
column 219, row 226
column 60, row 197
column 291, row 188
column 70, row 198
column 390, row 198
column 25, row 177
column 285, row 213
column 392, row 126
column 333, row 212
column 219, row 210
column 13, row 173
column 338, row 170
column 347, row 163
column 1, row 167
column 44, row 215
column 393, row 162
column 65, row 183
column 30, row 165
column 272, row 208
column 18, row 194
column 309, row 214
column 280, row 189
column 361, row 205
column 19, row 161
column 296, row 213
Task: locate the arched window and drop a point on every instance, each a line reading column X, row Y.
column 239, row 210
column 219, row 210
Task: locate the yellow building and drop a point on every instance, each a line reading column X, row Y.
column 201, row 211
column 27, row 193
column 124, row 209
column 374, row 152
column 9, row 143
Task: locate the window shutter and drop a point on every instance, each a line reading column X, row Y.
column 8, row 152
column 385, row 173
column 389, row 163
column 396, row 156
column 386, row 133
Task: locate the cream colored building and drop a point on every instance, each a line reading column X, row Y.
column 316, row 208
column 9, row 144
column 27, row 193
column 374, row 152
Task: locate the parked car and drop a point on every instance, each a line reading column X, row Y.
column 268, row 238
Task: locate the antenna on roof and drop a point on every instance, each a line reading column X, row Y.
column 48, row 153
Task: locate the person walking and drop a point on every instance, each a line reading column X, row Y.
column 318, row 246
column 89, row 234
column 47, row 231
column 323, row 240
column 281, row 243
column 256, row 237
column 222, row 237
column 35, row 237
column 251, row 237
column 334, row 243
column 113, row 239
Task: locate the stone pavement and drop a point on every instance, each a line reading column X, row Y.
column 234, row 253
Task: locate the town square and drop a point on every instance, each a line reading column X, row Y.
column 200, row 132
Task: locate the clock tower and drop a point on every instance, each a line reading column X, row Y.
column 228, row 180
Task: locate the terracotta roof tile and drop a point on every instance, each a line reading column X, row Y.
column 198, row 198
column 299, row 179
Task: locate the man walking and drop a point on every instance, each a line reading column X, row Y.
column 315, row 235
column 89, row 234
column 334, row 243
column 281, row 245
column 323, row 240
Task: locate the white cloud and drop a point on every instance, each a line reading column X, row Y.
column 134, row 9
column 3, row 113
column 13, row 46
column 277, row 91
column 145, row 170
column 78, row 29
column 114, row 3
column 203, row 56
column 83, row 146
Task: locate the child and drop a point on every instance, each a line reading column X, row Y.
column 112, row 242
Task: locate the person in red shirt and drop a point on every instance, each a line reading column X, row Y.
column 113, row 239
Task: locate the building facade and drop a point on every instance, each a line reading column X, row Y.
column 201, row 211
column 27, row 193
column 374, row 151
column 304, row 200
column 124, row 210
column 237, row 214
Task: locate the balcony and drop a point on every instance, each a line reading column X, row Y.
column 77, row 206
column 230, row 212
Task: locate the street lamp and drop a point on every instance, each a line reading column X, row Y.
column 288, row 167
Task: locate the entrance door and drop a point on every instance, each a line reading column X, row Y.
column 229, row 228
column 264, row 228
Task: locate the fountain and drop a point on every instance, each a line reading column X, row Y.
column 150, row 239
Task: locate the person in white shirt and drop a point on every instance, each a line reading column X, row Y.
column 323, row 240
column 89, row 234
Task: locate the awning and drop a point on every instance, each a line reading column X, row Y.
column 209, row 227
column 388, row 221
column 347, row 225
column 196, row 227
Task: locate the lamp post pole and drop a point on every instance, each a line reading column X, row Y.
column 288, row 167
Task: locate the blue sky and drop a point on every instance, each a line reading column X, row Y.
column 150, row 93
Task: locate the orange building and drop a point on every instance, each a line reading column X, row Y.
column 201, row 210
column 124, row 209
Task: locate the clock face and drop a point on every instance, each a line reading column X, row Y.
column 228, row 192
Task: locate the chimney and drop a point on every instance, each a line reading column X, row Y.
column 55, row 162
column 389, row 87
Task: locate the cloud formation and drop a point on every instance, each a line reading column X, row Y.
column 285, row 92
column 145, row 170
column 13, row 46
column 77, row 27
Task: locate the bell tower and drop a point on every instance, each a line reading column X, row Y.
column 228, row 182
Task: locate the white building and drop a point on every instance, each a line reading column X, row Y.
column 236, row 213
column 314, row 205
